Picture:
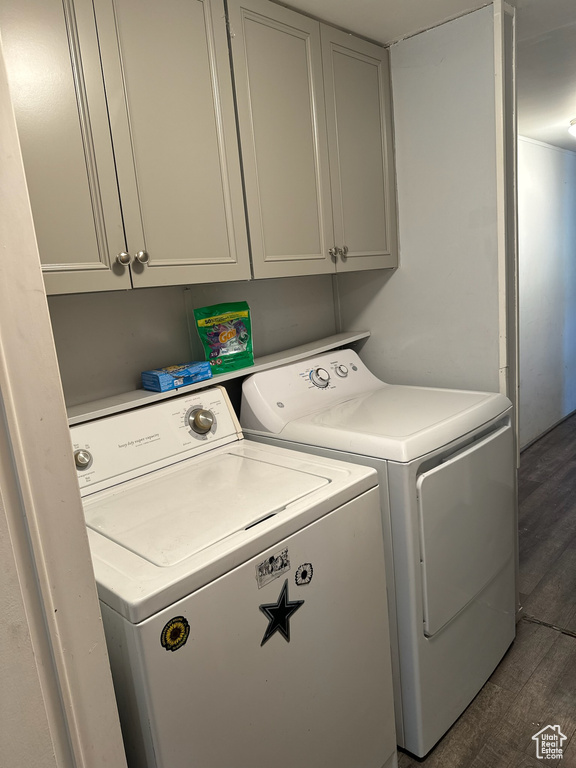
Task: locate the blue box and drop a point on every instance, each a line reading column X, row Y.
column 175, row 376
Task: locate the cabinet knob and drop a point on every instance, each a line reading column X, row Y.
column 333, row 253
column 123, row 258
column 142, row 257
column 343, row 251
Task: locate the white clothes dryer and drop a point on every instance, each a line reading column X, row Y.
column 243, row 629
column 445, row 461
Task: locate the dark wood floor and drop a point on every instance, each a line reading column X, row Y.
column 535, row 684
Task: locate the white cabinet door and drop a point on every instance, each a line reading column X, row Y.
column 169, row 89
column 62, row 122
column 358, row 116
column 315, row 127
column 278, row 77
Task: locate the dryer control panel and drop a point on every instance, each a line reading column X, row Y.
column 111, row 450
column 271, row 399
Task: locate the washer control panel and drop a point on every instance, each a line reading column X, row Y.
column 117, row 448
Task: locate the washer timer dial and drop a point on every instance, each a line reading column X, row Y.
column 200, row 420
column 320, row 377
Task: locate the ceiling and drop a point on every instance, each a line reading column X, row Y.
column 546, row 49
column 546, row 70
column 386, row 21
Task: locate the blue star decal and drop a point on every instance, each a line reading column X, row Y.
column 278, row 615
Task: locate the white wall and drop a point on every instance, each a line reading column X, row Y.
column 547, row 286
column 105, row 340
column 435, row 321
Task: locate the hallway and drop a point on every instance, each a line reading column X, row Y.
column 535, row 684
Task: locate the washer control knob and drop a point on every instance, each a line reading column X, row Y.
column 341, row 371
column 320, row 377
column 82, row 458
column 201, row 421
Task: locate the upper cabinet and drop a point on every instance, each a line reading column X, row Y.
column 360, row 149
column 314, row 114
column 62, row 119
column 158, row 202
column 169, row 87
column 128, row 125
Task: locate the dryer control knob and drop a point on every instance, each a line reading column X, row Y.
column 201, row 421
column 82, row 458
column 341, row 371
column 320, row 377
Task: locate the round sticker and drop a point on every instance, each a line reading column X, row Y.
column 304, row 574
column 175, row 633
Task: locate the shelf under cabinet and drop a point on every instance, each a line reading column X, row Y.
column 97, row 409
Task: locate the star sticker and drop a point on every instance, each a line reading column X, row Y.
column 278, row 615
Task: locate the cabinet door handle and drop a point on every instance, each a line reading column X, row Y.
column 343, row 251
column 123, row 258
column 142, row 257
column 334, row 253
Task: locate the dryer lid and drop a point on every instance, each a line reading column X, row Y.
column 399, row 423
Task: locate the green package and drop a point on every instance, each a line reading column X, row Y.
column 226, row 335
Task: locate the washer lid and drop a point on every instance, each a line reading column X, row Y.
column 399, row 423
column 157, row 538
column 170, row 518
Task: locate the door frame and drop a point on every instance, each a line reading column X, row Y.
column 50, row 574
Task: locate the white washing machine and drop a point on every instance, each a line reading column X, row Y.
column 445, row 460
column 243, row 628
